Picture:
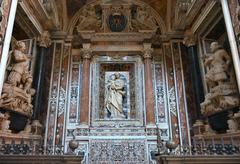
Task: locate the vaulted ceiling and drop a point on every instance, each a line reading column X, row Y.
column 58, row 14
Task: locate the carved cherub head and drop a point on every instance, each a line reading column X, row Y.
column 117, row 75
column 20, row 46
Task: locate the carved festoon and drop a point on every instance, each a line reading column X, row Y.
column 221, row 82
column 17, row 92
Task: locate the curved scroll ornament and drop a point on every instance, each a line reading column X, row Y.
column 220, row 78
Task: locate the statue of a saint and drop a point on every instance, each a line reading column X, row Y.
column 219, row 63
column 220, row 79
column 114, row 97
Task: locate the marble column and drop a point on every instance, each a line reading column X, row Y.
column 196, row 78
column 44, row 42
column 84, row 101
column 192, row 56
column 149, row 97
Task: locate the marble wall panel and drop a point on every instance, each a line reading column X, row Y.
column 54, row 94
column 5, row 9
column 171, row 97
column 75, row 86
column 159, row 92
column 180, row 92
column 62, row 101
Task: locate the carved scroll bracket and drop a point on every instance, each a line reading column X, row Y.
column 44, row 40
column 189, row 38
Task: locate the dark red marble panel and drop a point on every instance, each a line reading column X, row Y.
column 62, row 101
column 180, row 90
column 172, row 106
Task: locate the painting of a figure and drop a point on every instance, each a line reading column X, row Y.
column 116, row 95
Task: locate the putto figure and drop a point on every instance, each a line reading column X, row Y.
column 114, row 97
column 219, row 65
column 17, row 92
column 19, row 74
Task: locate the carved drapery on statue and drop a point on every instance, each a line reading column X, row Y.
column 115, row 94
column 220, row 78
column 17, row 92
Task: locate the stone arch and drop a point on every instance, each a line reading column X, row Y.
column 75, row 18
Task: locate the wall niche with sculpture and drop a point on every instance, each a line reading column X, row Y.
column 16, row 99
column 117, row 88
column 221, row 104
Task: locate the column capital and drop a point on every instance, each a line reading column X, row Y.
column 147, row 50
column 86, row 51
column 189, row 38
column 44, row 39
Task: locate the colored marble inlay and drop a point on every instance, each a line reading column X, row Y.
column 62, row 96
column 172, row 105
column 75, row 87
column 180, row 91
column 159, row 92
column 53, row 102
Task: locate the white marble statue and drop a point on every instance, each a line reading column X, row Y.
column 220, row 77
column 114, row 97
column 219, row 63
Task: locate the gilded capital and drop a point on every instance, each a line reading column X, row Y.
column 44, row 39
column 147, row 53
column 86, row 53
column 147, row 50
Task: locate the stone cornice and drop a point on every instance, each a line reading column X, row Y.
column 132, row 36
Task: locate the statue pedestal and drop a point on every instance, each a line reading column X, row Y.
column 17, row 103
